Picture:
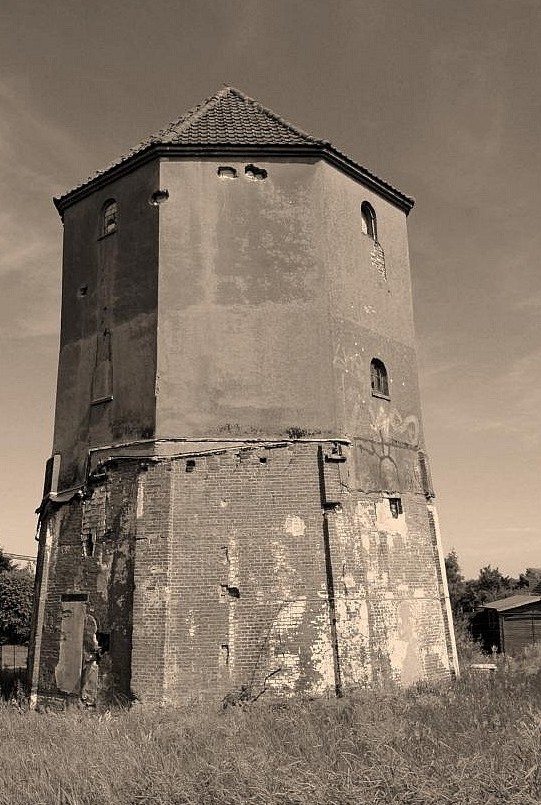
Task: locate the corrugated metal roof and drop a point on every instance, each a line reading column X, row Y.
column 512, row 602
column 229, row 118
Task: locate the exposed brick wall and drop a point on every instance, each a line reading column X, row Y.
column 244, row 573
column 105, row 520
column 256, row 567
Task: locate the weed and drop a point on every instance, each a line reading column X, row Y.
column 473, row 741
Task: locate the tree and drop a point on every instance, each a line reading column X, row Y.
column 491, row 584
column 5, row 562
column 455, row 582
column 16, row 593
column 530, row 578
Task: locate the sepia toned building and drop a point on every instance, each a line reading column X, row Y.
column 239, row 496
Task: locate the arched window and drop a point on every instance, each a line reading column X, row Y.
column 368, row 220
column 109, row 217
column 378, row 378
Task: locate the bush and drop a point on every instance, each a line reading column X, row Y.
column 13, row 684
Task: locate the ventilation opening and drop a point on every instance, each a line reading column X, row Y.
column 232, row 592
column 190, row 465
column 332, row 506
column 227, row 172
column 158, row 197
column 255, row 173
column 83, row 290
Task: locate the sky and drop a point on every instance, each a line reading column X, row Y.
column 441, row 99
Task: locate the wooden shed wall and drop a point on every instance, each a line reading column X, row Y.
column 519, row 630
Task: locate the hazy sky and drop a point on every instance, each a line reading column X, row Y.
column 442, row 99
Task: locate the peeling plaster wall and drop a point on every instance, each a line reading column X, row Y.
column 212, row 566
column 231, row 584
column 212, row 573
column 93, row 588
column 230, row 577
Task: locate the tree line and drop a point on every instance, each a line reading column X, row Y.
column 16, row 592
column 467, row 595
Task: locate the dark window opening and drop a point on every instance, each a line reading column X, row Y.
column 227, row 172
column 378, row 378
column 224, row 655
column 110, row 217
column 190, row 465
column 368, row 220
column 104, row 641
column 89, row 545
column 395, row 505
column 253, row 172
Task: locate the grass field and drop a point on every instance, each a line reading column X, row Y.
column 475, row 741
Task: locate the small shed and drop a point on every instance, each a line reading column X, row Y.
column 509, row 624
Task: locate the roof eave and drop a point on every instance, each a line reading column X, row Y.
column 159, row 150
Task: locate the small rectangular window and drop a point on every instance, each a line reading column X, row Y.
column 395, row 504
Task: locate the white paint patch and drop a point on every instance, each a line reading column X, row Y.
column 386, row 522
column 348, row 581
column 294, row 525
column 190, row 621
column 364, row 516
column 285, row 573
column 322, row 655
column 353, row 637
column 140, row 499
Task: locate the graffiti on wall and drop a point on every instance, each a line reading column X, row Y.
column 389, row 423
column 383, row 419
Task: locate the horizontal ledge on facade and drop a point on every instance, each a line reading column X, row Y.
column 178, row 151
column 101, row 400
column 225, row 440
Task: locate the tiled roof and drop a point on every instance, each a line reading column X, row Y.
column 511, row 602
column 232, row 119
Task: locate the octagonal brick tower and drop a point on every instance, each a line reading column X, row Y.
column 239, row 496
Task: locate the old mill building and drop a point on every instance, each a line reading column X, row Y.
column 239, row 496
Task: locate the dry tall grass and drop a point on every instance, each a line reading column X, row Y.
column 474, row 742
